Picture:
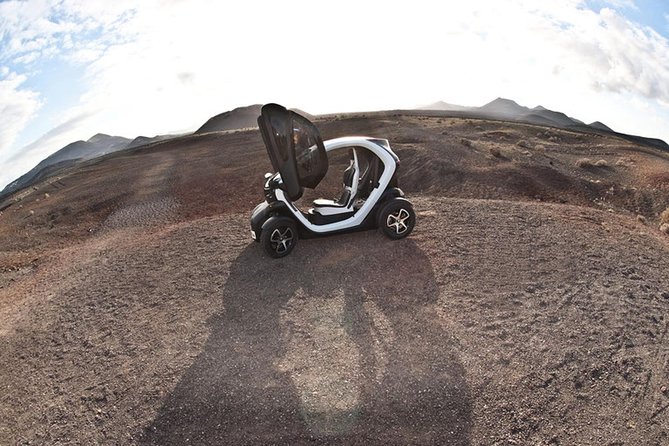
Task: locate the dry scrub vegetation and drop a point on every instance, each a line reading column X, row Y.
column 587, row 162
column 664, row 219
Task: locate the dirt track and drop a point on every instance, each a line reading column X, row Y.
column 496, row 322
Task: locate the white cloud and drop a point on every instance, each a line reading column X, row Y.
column 17, row 106
column 27, row 58
column 58, row 136
column 630, row 4
column 637, row 58
column 68, row 130
column 23, row 25
column 47, row 26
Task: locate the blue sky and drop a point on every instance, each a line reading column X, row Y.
column 651, row 13
column 73, row 68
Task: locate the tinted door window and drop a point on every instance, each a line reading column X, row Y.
column 312, row 161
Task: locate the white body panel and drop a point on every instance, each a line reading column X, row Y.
column 388, row 160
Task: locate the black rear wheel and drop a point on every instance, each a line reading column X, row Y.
column 279, row 236
column 396, row 219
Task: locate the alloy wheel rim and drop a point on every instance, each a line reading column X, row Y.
column 398, row 221
column 281, row 239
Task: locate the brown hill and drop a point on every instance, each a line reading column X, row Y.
column 529, row 306
column 239, row 118
column 600, row 126
column 144, row 140
column 98, row 145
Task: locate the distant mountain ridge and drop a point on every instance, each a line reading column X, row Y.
column 76, row 152
column 98, row 145
column 509, row 110
column 246, row 117
column 102, row 144
column 502, row 108
column 144, row 140
column 441, row 105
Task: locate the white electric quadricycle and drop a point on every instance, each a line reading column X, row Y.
column 370, row 195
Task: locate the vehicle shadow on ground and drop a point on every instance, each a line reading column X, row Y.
column 339, row 342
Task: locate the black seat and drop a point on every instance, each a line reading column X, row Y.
column 346, row 196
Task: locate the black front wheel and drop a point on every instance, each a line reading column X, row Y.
column 279, row 236
column 396, row 218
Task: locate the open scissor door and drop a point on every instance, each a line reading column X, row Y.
column 295, row 148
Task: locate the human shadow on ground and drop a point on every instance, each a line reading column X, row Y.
column 338, row 342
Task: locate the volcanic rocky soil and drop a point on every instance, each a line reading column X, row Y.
column 529, row 305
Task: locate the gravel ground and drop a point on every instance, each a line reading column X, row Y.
column 494, row 323
column 134, row 308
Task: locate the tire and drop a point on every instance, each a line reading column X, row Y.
column 396, row 218
column 278, row 236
